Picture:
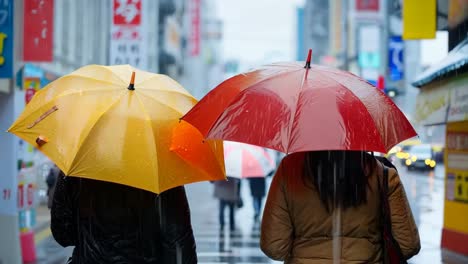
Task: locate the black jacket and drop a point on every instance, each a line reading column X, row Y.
column 257, row 186
column 112, row 223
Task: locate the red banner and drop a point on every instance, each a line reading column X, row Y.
column 38, row 30
column 367, row 5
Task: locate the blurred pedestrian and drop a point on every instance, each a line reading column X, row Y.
column 50, row 181
column 112, row 223
column 228, row 193
column 257, row 189
column 312, row 191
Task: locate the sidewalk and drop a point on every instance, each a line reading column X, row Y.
column 42, row 219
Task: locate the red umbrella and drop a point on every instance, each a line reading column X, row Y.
column 290, row 108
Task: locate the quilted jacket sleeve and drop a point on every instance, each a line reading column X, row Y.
column 277, row 230
column 404, row 228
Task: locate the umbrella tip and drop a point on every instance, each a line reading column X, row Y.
column 131, row 86
column 309, row 58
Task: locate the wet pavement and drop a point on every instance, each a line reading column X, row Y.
column 425, row 191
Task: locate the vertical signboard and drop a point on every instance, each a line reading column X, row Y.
column 369, row 51
column 395, row 58
column 128, row 33
column 457, row 163
column 6, row 39
column 456, row 184
column 38, row 30
column 419, row 20
column 195, row 30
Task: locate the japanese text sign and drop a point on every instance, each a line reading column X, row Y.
column 128, row 33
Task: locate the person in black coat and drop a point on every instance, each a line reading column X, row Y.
column 257, row 189
column 50, row 181
column 112, row 223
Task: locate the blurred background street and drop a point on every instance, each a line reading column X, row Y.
column 414, row 52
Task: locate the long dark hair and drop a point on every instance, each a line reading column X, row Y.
column 340, row 177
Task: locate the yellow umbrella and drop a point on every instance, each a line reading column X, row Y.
column 93, row 124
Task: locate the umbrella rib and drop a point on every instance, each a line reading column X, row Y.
column 155, row 160
column 165, row 91
column 272, row 76
column 161, row 103
column 60, row 96
column 74, row 75
column 293, row 116
column 355, row 96
column 161, row 77
column 83, row 139
column 113, row 73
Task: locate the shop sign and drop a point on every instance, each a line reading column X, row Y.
column 396, row 56
column 6, row 39
column 368, row 46
column 368, row 10
column 432, row 106
column 457, row 165
column 458, row 104
column 128, row 33
column 457, row 141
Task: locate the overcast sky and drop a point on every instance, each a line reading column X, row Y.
column 255, row 30
column 261, row 31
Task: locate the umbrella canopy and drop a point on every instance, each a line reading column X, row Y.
column 93, row 124
column 247, row 161
column 290, row 107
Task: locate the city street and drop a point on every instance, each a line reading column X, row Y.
column 425, row 191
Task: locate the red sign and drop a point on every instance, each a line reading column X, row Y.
column 457, row 141
column 30, row 194
column 38, row 30
column 29, row 94
column 20, row 196
column 367, row 5
column 194, row 27
column 127, row 12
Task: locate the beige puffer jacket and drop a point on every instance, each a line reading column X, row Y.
column 296, row 227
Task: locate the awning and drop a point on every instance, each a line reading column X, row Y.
column 444, row 102
column 456, row 62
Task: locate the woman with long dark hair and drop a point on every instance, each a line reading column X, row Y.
column 325, row 205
